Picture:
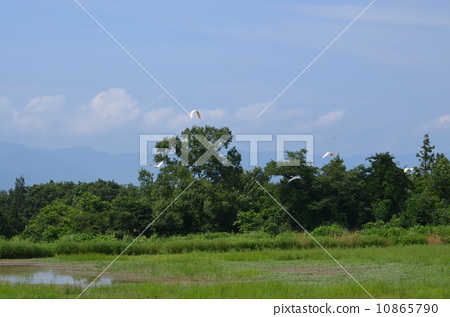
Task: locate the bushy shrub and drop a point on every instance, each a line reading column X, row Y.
column 334, row 230
column 22, row 249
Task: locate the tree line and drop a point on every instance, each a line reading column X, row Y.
column 189, row 198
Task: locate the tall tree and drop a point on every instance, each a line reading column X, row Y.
column 440, row 180
column 297, row 195
column 5, row 222
column 341, row 196
column 18, row 211
column 388, row 186
column 426, row 157
column 211, row 202
column 199, row 149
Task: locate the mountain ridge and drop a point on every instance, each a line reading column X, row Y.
column 85, row 164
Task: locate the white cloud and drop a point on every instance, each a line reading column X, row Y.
column 157, row 118
column 330, row 118
column 275, row 119
column 176, row 119
column 444, row 120
column 296, row 117
column 40, row 115
column 45, row 115
column 109, row 109
column 214, row 114
column 45, row 104
column 322, row 122
column 251, row 112
column 441, row 123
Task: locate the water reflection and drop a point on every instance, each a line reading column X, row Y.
column 39, row 275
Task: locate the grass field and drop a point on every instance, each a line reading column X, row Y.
column 394, row 271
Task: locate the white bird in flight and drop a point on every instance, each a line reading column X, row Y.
column 191, row 115
column 294, row 178
column 158, row 165
column 328, row 153
column 406, row 169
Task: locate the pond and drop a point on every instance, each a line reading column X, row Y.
column 33, row 274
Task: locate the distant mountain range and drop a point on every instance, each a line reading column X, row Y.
column 84, row 164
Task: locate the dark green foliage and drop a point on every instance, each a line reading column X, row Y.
column 53, row 222
column 296, row 196
column 440, row 180
column 334, row 230
column 19, row 211
column 426, row 157
column 388, row 186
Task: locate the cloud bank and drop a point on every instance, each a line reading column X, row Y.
column 108, row 110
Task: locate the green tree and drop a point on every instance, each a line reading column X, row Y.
column 426, row 157
column 254, row 212
column 341, row 197
column 18, row 209
column 387, row 185
column 430, row 200
column 440, row 180
column 51, row 223
column 296, row 196
column 423, row 206
column 192, row 149
column 129, row 216
column 170, row 213
column 39, row 196
column 211, row 203
column 90, row 214
column 6, row 226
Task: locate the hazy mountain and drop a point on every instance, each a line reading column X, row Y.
column 84, row 164
column 409, row 160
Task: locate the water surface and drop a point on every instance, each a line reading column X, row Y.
column 30, row 274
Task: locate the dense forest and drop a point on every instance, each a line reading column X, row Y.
column 214, row 197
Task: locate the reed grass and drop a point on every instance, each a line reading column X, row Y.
column 227, row 242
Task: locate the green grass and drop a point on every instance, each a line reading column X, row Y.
column 226, row 242
column 17, row 249
column 411, row 271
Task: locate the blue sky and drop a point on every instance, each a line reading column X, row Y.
column 380, row 87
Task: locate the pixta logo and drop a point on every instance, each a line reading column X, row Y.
column 212, row 149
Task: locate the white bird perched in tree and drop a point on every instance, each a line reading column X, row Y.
column 191, row 115
column 158, row 165
column 406, row 169
column 294, row 178
column 328, row 153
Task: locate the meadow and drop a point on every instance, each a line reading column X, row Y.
column 249, row 266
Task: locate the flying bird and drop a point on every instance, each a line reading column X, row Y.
column 406, row 169
column 294, row 178
column 191, row 115
column 328, row 153
column 158, row 165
